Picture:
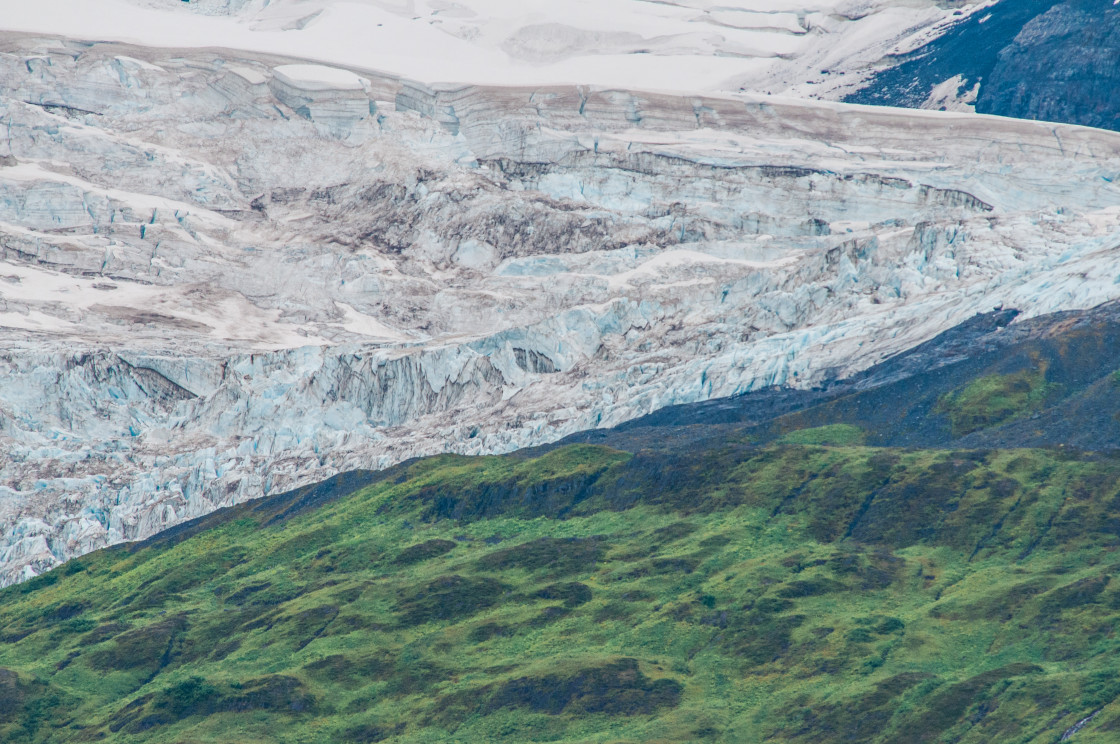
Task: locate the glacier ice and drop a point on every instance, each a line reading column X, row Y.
column 224, row 274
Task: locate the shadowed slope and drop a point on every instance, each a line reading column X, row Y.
column 1031, row 59
column 1063, row 363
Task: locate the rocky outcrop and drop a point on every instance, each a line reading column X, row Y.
column 1063, row 66
column 1033, row 59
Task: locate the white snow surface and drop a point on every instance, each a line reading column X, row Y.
column 218, row 280
column 317, row 77
column 809, row 48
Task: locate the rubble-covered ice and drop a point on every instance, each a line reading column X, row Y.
column 223, row 276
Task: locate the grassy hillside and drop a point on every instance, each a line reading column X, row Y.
column 799, row 592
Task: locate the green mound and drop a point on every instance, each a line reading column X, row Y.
column 788, row 593
column 994, row 399
column 838, row 435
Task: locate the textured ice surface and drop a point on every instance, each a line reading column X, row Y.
column 211, row 289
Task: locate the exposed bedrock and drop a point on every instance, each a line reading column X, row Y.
column 1051, row 60
column 1063, row 66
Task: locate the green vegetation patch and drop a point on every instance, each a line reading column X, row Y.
column 835, row 435
column 788, row 593
column 556, row 556
column 994, row 399
column 449, row 598
column 424, row 551
column 195, row 697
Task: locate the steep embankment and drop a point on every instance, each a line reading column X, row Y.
column 1048, row 381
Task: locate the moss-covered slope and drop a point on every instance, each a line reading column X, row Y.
column 793, row 593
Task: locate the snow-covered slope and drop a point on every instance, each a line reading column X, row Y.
column 1053, row 60
column 227, row 274
column 802, row 47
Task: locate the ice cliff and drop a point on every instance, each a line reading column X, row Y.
column 226, row 274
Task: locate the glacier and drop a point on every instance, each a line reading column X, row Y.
column 229, row 273
column 801, row 48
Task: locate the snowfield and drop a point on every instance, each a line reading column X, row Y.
column 817, row 48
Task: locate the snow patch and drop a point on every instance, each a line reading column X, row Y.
column 953, row 95
column 318, row 77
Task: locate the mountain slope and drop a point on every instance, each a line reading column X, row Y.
column 989, row 382
column 813, row 589
column 1033, row 59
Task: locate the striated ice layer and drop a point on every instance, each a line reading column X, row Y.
column 224, row 275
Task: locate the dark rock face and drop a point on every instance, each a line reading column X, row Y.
column 1063, row 66
column 970, row 49
column 1033, row 59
